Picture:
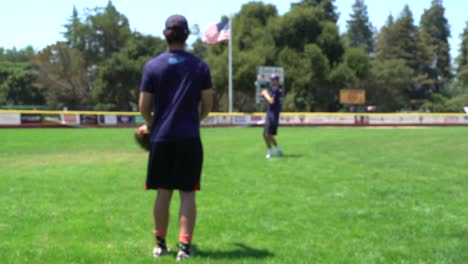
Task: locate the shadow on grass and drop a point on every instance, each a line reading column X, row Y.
column 241, row 252
column 292, row 156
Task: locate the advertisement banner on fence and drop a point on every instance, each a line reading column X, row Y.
column 224, row 120
column 257, row 119
column 110, row 120
column 124, row 120
column 452, row 120
column 52, row 118
column 139, row 120
column 240, row 120
column 339, row 120
column 59, row 118
column 209, row 121
column 88, row 119
column 392, row 120
column 30, row 118
column 71, row 119
column 429, row 120
column 10, row 119
column 289, row 120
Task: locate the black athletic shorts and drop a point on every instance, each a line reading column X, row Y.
column 271, row 126
column 175, row 165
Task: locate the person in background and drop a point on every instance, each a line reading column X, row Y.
column 270, row 130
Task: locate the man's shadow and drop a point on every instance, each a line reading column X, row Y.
column 241, row 252
column 292, row 156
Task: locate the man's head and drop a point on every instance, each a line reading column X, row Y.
column 176, row 31
column 274, row 79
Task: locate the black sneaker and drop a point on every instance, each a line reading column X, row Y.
column 184, row 252
column 159, row 251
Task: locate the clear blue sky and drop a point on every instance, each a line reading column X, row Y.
column 40, row 23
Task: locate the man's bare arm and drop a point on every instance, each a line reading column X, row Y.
column 206, row 103
column 266, row 94
column 144, row 103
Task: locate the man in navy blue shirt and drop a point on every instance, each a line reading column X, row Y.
column 174, row 86
column 270, row 128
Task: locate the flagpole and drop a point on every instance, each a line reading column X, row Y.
column 230, row 64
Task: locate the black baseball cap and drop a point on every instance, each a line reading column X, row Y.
column 176, row 22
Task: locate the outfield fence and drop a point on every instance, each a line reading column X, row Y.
column 38, row 118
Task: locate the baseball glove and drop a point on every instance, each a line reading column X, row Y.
column 142, row 137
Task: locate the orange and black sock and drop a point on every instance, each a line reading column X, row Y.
column 160, row 238
column 185, row 241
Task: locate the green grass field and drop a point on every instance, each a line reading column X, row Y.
column 340, row 195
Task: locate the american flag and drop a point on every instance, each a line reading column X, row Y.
column 217, row 33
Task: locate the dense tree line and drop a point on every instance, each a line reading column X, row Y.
column 402, row 66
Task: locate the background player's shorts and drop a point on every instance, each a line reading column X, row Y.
column 175, row 165
column 271, row 126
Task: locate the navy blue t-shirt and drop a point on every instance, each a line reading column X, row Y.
column 176, row 79
column 273, row 110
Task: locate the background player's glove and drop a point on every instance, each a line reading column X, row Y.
column 142, row 137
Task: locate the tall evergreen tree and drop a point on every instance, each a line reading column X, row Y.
column 462, row 59
column 407, row 33
column 102, row 32
column 417, row 55
column 73, row 34
column 436, row 27
column 110, row 30
column 360, row 30
column 387, row 43
column 402, row 40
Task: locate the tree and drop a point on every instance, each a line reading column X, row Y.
column 116, row 86
column 435, row 26
column 406, row 38
column 358, row 61
column 388, row 86
column 62, row 77
column 327, row 6
column 74, row 33
column 305, row 38
column 352, row 72
column 217, row 58
column 401, row 40
column 198, row 48
column 253, row 46
column 387, row 43
column 462, row 59
column 308, row 74
column 110, row 30
column 298, row 27
column 16, row 78
column 15, row 55
column 16, row 84
column 330, row 43
column 360, row 30
column 298, row 98
column 102, row 32
column 323, row 97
